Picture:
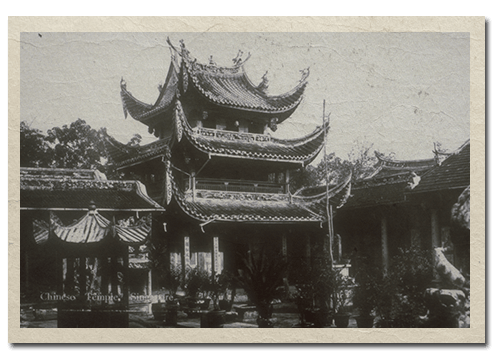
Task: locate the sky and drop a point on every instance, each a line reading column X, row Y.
column 398, row 91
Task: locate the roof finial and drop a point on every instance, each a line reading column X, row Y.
column 123, row 84
column 305, row 74
column 237, row 59
column 264, row 84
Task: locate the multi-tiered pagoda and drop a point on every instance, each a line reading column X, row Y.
column 217, row 169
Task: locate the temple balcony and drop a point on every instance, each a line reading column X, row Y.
column 231, row 135
column 222, row 185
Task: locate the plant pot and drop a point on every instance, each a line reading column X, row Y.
column 322, row 318
column 158, row 310
column 309, row 315
column 213, row 319
column 171, row 315
column 225, row 305
column 364, row 321
column 195, row 303
column 342, row 320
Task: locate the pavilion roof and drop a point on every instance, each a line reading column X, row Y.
column 223, row 86
column 90, row 228
column 60, row 189
column 253, row 146
column 261, row 208
column 121, row 155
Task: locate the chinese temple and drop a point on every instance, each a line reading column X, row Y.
column 222, row 177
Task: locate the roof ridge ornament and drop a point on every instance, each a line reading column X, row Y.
column 264, row 84
column 237, row 60
column 305, row 74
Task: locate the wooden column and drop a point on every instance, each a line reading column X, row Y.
column 186, row 256
column 385, row 244
column 126, row 276
column 150, row 290
column 82, row 281
column 215, row 256
column 436, row 241
column 287, row 181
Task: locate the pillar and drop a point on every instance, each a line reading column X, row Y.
column 150, row 290
column 287, row 181
column 385, row 244
column 215, row 256
column 436, row 242
column 186, row 256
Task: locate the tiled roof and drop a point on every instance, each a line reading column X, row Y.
column 121, row 155
column 69, row 193
column 454, row 173
column 387, row 167
column 225, row 86
column 382, row 194
column 142, row 111
column 248, row 145
column 91, row 228
column 232, row 88
column 262, row 210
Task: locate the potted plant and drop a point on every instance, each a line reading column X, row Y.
column 197, row 289
column 365, row 294
column 170, row 281
column 304, row 299
column 218, row 288
column 384, row 301
column 228, row 290
column 261, row 278
column 341, row 290
column 172, row 284
column 411, row 275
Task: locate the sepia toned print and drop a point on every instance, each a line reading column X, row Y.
column 247, row 190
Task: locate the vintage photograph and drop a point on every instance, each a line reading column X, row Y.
column 245, row 180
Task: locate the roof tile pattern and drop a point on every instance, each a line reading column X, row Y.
column 454, row 173
column 56, row 193
column 246, row 145
column 122, row 155
column 383, row 194
column 296, row 209
column 237, row 91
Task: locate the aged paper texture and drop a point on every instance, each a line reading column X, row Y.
column 473, row 25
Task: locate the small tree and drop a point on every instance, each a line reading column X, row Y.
column 261, row 278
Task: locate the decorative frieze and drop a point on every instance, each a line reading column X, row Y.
column 232, row 136
column 240, row 196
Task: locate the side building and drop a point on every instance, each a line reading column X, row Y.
column 407, row 203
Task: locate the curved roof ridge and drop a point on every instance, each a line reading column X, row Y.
column 386, row 159
column 331, row 192
column 302, row 82
column 121, row 154
column 140, row 110
column 295, row 141
column 303, row 152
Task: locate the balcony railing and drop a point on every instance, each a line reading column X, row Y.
column 236, row 186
